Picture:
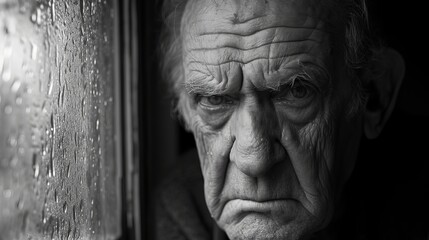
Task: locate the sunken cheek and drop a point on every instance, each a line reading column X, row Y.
column 205, row 141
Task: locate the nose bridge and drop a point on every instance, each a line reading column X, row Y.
column 255, row 126
column 256, row 139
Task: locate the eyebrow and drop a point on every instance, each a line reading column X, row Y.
column 195, row 88
column 317, row 75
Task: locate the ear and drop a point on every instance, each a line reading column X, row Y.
column 383, row 79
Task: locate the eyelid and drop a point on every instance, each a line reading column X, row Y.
column 211, row 107
column 284, row 96
column 285, row 88
column 198, row 96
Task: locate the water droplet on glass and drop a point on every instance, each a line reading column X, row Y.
column 35, row 166
column 53, row 12
column 8, row 109
column 20, row 203
column 18, row 100
column 83, row 68
column 74, row 213
column 6, row 75
column 81, row 205
column 50, row 84
column 60, row 75
column 36, row 17
column 7, row 193
column 68, row 170
column 43, row 216
column 83, row 107
column 82, row 10
column 62, row 96
column 59, row 97
column 65, row 207
column 53, row 129
column 56, row 56
column 33, row 51
column 56, row 196
column 15, row 86
column 33, row 17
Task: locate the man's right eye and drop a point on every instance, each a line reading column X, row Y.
column 214, row 102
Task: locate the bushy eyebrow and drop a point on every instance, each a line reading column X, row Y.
column 310, row 73
column 207, row 88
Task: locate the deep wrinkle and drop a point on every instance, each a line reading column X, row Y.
column 251, row 33
column 244, row 62
column 253, row 48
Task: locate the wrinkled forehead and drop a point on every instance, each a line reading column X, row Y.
column 244, row 15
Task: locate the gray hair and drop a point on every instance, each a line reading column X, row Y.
column 361, row 47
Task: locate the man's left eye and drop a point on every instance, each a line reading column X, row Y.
column 299, row 91
column 299, row 94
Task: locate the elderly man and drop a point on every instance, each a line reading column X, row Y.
column 278, row 94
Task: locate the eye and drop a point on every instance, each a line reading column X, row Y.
column 299, row 91
column 214, row 102
column 298, row 94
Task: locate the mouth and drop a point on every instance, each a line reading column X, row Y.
column 237, row 209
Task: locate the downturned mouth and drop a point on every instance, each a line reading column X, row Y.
column 237, row 209
column 259, row 204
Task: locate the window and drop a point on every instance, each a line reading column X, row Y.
column 65, row 155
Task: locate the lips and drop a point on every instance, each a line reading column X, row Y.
column 237, row 209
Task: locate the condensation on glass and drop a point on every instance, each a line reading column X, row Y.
column 59, row 177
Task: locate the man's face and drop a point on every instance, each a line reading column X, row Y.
column 266, row 96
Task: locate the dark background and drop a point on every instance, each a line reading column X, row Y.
column 389, row 187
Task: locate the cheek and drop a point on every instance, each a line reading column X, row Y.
column 212, row 148
column 204, row 143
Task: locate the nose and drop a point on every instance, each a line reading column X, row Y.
column 257, row 132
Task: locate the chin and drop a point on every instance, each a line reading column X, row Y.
column 259, row 226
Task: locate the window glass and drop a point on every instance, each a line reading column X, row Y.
column 59, row 170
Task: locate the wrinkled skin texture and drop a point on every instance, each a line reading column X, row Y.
column 266, row 95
